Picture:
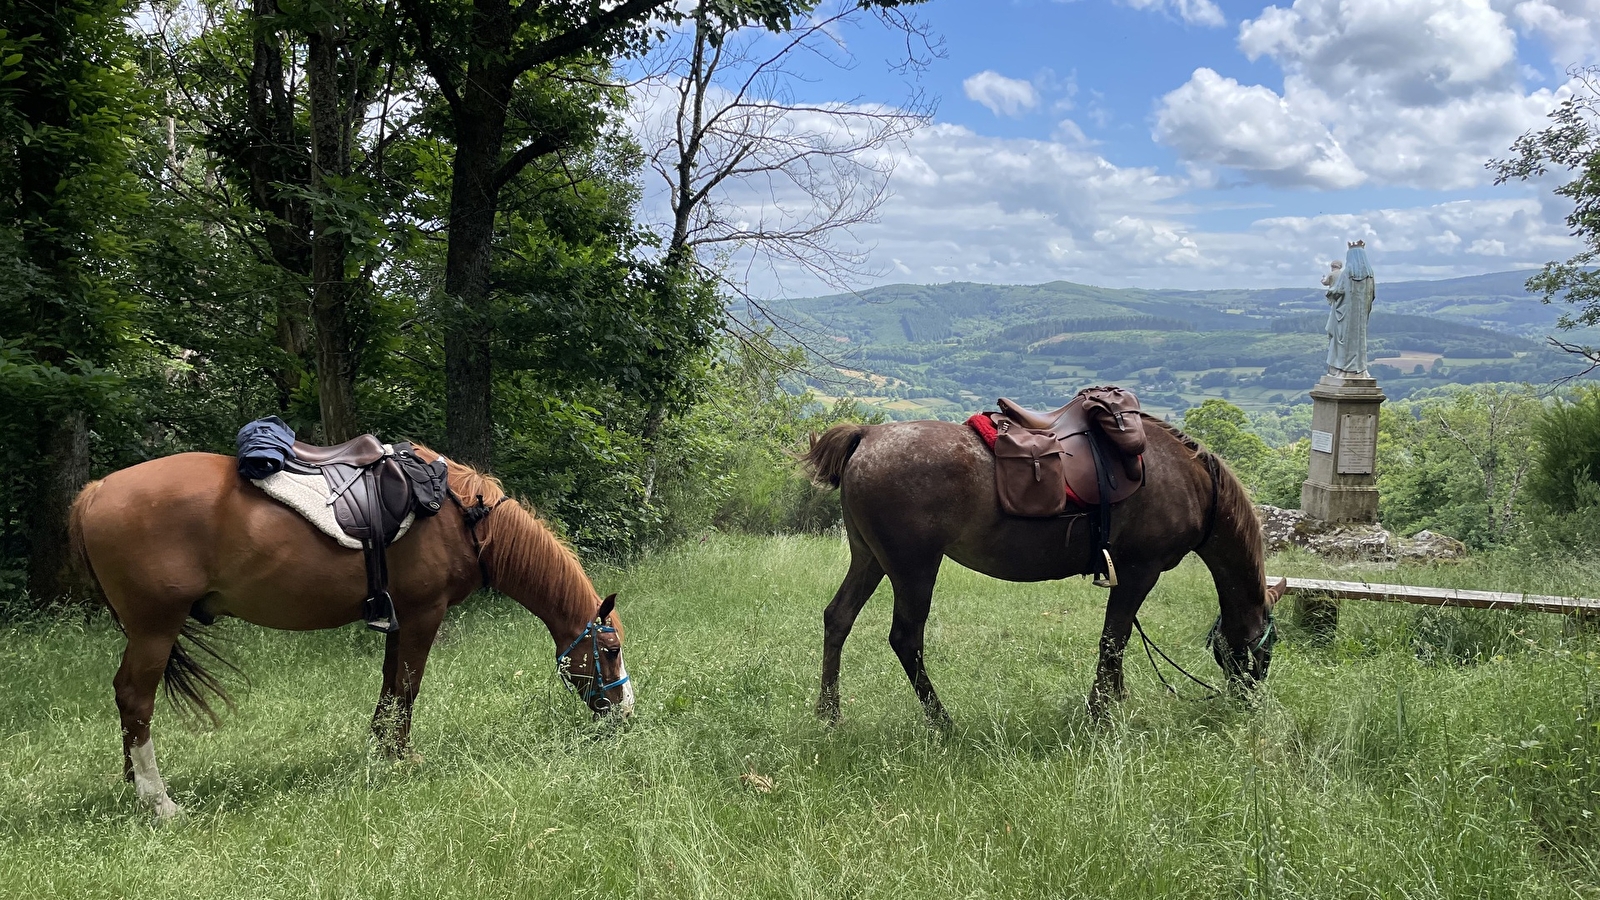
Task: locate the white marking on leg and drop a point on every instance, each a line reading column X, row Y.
column 147, row 781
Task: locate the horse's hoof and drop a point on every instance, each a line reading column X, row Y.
column 827, row 708
column 166, row 812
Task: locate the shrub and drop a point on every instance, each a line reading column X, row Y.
column 1567, row 455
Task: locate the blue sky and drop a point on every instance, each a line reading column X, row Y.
column 1212, row 143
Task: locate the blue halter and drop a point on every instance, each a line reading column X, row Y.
column 597, row 682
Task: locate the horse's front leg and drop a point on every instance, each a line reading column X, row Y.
column 1121, row 607
column 404, row 659
column 913, row 596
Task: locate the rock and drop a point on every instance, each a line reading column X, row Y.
column 1430, row 546
column 1284, row 528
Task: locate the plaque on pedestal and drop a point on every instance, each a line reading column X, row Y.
column 1343, row 483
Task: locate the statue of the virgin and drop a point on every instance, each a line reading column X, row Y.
column 1350, row 297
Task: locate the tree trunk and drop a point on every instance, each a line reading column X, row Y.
column 270, row 110
column 292, row 339
column 474, row 196
column 331, row 290
column 66, row 445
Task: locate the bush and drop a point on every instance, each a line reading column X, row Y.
column 1567, row 455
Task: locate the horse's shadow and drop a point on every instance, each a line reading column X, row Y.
column 236, row 788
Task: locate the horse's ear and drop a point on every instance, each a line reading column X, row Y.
column 1275, row 592
column 606, row 606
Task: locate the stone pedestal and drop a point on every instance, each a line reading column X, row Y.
column 1343, row 482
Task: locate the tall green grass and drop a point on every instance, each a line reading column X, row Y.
column 1421, row 753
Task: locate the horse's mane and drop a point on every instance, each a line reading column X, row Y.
column 1234, row 503
column 525, row 558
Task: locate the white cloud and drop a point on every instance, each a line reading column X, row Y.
column 1571, row 28
column 1194, row 12
column 1068, row 132
column 1417, row 93
column 1003, row 96
column 972, row 207
column 1217, row 120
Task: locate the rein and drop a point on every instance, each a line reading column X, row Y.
column 1211, row 517
column 597, row 682
column 1263, row 643
column 473, row 515
column 1151, row 645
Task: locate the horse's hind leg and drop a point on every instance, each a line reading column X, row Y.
column 865, row 574
column 143, row 662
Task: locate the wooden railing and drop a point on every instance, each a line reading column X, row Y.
column 1435, row 596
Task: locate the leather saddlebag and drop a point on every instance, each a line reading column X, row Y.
column 1030, row 473
column 1116, row 413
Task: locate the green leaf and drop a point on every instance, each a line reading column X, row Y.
column 11, row 60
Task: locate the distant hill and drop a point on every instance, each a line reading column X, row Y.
column 943, row 350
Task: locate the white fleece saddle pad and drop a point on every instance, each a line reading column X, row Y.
column 308, row 496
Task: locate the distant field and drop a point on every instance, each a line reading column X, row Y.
column 1405, row 361
column 1421, row 754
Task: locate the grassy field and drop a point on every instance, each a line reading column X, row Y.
column 1418, row 754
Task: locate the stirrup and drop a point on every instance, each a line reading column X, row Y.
column 379, row 613
column 1109, row 579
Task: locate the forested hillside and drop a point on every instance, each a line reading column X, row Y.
column 943, row 350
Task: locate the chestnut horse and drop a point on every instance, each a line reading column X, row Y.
column 186, row 536
column 916, row 492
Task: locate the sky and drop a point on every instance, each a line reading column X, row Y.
column 1208, row 143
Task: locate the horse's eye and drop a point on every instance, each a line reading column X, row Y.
column 612, row 652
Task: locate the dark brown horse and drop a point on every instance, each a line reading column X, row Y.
column 916, row 492
column 185, row 536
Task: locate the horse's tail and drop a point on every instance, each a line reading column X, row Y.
column 78, row 548
column 830, row 452
column 188, row 681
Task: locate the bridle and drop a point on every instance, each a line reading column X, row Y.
column 596, row 686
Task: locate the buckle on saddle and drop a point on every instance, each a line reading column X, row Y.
column 1109, row 578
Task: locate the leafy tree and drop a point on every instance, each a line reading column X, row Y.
column 68, row 99
column 297, row 104
column 1273, row 474
column 1223, row 428
column 1456, row 461
column 1570, row 143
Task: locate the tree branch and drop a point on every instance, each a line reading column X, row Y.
column 576, row 39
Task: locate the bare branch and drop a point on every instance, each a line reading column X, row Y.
column 750, row 171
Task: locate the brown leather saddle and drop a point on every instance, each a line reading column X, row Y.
column 372, row 487
column 1088, row 450
column 1072, row 429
